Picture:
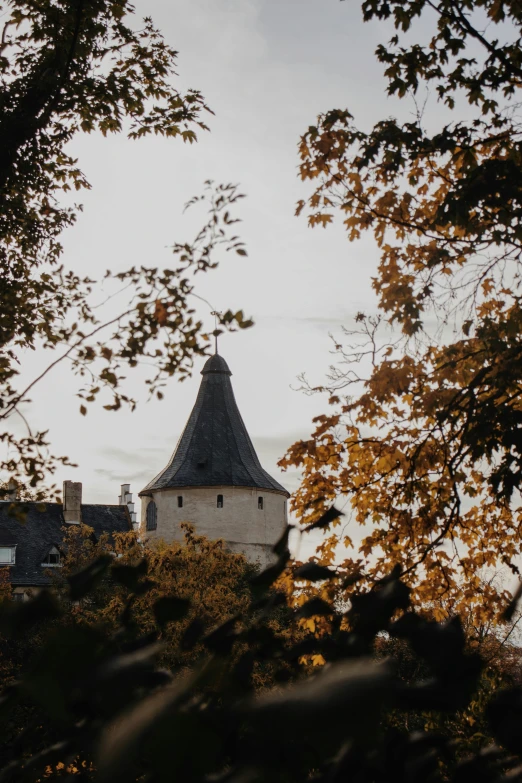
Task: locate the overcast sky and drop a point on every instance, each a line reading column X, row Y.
column 267, row 68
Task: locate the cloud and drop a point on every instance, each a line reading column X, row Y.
column 141, row 456
column 115, row 476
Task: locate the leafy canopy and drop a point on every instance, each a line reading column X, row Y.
column 209, row 582
column 66, row 67
column 99, row 706
column 425, row 438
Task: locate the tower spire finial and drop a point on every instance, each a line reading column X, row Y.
column 216, row 315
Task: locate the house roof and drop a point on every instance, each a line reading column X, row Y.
column 215, row 448
column 43, row 527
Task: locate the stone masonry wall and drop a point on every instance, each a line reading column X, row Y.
column 244, row 526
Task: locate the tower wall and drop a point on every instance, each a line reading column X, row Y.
column 244, row 526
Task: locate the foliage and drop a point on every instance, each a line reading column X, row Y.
column 69, row 67
column 105, row 709
column 311, row 588
column 5, row 584
column 172, row 595
column 468, row 727
column 424, row 437
column 22, row 492
column 197, row 571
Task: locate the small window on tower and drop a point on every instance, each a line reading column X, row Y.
column 152, row 516
column 220, row 501
column 260, row 503
column 180, row 501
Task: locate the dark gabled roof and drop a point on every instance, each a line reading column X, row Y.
column 42, row 528
column 215, row 448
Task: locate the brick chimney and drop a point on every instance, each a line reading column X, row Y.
column 125, row 499
column 12, row 491
column 72, row 502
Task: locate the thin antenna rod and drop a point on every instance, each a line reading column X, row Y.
column 216, row 315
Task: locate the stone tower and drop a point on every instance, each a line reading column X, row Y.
column 214, row 478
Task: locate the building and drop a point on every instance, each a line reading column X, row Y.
column 31, row 534
column 214, row 478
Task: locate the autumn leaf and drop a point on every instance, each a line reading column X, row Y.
column 424, row 445
column 160, row 313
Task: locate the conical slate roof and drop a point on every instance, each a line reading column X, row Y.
column 215, row 448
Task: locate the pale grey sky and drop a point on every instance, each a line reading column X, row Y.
column 267, row 68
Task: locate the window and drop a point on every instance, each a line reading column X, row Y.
column 180, row 501
column 18, row 596
column 7, row 555
column 260, row 503
column 53, row 558
column 152, row 516
column 220, row 501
